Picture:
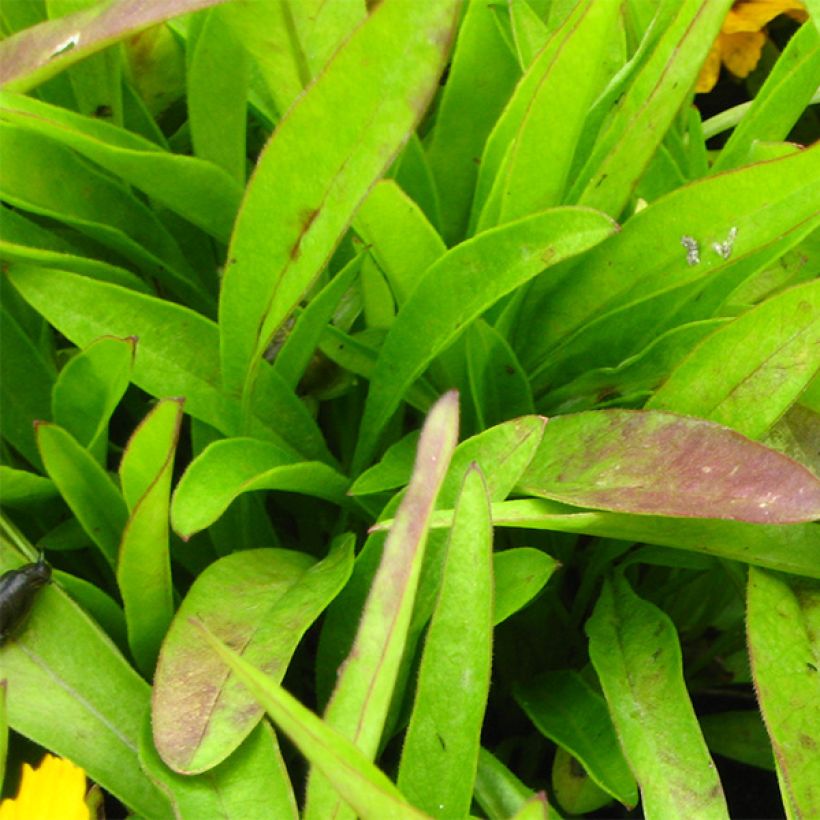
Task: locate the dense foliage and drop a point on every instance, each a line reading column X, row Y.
column 418, row 411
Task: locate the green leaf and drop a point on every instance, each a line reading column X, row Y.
column 657, row 463
column 263, row 601
column 44, row 177
column 762, row 202
column 85, row 486
column 218, row 76
column 520, row 574
column 440, row 753
column 293, row 358
column 89, row 388
column 199, row 191
column 497, row 790
column 565, row 81
column 635, row 651
column 4, row 723
column 26, row 381
column 740, row 736
column 646, row 110
column 399, row 236
column 22, row 488
column 177, row 353
column 392, row 471
column 788, row 549
column 228, row 468
column 748, row 373
column 498, row 384
column 464, row 119
column 144, row 565
column 367, row 790
column 35, row 54
column 783, row 624
column 251, row 781
column 360, row 701
column 458, row 289
column 71, row 691
column 565, row 709
column 290, row 221
column 777, row 106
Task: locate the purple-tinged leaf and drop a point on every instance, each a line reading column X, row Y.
column 36, row 54
column 655, row 463
column 360, row 702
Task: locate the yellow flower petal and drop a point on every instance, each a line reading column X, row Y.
column 55, row 789
column 710, row 71
column 741, row 52
column 752, row 15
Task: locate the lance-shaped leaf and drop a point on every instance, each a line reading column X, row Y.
column 177, row 353
column 228, row 468
column 762, row 202
column 635, row 651
column 144, row 565
column 71, row 691
column 787, row 549
column 565, row 708
column 777, row 106
column 89, row 388
column 290, row 221
column 366, row 789
column 35, row 54
column 197, row 190
column 457, row 289
column 657, row 463
column 520, row 574
column 497, row 790
column 748, row 373
column 440, row 754
column 783, row 630
column 646, row 110
column 262, row 601
column 85, row 486
column 481, row 59
column 360, row 701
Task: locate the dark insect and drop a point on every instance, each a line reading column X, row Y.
column 18, row 588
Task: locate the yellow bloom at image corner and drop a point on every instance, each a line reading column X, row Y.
column 741, row 38
column 55, row 790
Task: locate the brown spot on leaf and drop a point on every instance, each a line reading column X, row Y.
column 308, row 217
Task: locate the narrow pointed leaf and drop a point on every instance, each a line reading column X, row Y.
column 144, row 564
column 367, row 790
column 635, row 651
column 458, row 289
column 569, row 712
column 89, row 388
column 657, row 463
column 35, row 54
column 85, row 487
column 290, row 221
column 749, row 372
column 783, row 632
column 520, row 574
column 440, row 754
column 360, row 701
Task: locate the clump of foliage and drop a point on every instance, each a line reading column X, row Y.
column 410, row 386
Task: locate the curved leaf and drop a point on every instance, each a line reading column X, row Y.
column 657, row 463
column 228, row 468
column 262, row 601
column 290, row 221
column 635, row 651
column 71, row 691
column 457, row 289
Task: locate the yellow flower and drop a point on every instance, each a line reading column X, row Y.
column 741, row 38
column 55, row 790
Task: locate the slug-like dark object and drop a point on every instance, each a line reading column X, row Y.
column 18, row 588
